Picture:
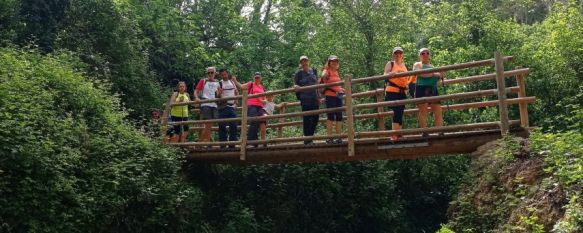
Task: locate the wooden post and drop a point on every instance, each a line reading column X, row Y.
column 380, row 94
column 502, row 106
column 281, row 120
column 164, row 120
column 244, row 125
column 349, row 114
column 522, row 106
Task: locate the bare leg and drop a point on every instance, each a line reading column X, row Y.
column 422, row 116
column 338, row 127
column 183, row 136
column 437, row 114
column 329, row 127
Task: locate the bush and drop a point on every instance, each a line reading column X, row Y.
column 69, row 162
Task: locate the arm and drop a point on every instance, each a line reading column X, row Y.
column 196, row 91
column 417, row 66
column 238, row 84
column 296, row 81
column 173, row 97
column 388, row 68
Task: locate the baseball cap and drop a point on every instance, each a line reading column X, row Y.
column 257, row 74
column 304, row 57
column 332, row 57
column 422, row 50
column 398, row 49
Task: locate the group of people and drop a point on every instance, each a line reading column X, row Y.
column 310, row 99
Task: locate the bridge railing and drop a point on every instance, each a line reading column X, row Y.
column 349, row 108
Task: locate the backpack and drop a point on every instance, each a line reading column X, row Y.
column 392, row 84
column 312, row 71
column 323, row 91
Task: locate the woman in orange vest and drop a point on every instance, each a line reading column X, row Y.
column 333, row 97
column 396, row 88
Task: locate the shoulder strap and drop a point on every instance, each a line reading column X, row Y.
column 250, row 88
column 387, row 81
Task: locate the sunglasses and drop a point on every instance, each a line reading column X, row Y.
column 423, row 53
column 211, row 72
column 398, row 52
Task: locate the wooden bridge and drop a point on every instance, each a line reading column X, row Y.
column 370, row 144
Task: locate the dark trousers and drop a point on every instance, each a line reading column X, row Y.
column 253, row 111
column 227, row 112
column 310, row 122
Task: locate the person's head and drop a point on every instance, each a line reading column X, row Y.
column 257, row 77
column 269, row 98
column 211, row 72
column 424, row 55
column 333, row 62
column 304, row 62
column 224, row 73
column 398, row 54
column 181, row 87
column 155, row 115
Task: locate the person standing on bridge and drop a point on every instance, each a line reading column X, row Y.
column 309, row 99
column 208, row 89
column 254, row 105
column 396, row 88
column 333, row 97
column 227, row 108
column 427, row 87
column 179, row 113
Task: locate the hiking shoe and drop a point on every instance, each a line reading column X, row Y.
column 394, row 138
column 424, row 135
column 309, row 144
column 338, row 141
column 330, row 141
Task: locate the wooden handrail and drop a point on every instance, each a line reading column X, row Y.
column 356, row 81
column 464, row 95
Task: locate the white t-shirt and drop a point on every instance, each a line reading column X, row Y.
column 228, row 91
column 208, row 92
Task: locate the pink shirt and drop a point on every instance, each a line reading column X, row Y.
column 255, row 89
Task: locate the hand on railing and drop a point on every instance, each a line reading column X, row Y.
column 296, row 88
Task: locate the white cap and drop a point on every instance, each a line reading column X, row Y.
column 398, row 49
column 304, row 57
column 422, row 50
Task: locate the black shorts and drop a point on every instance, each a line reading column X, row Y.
column 334, row 102
column 208, row 113
column 178, row 128
column 426, row 91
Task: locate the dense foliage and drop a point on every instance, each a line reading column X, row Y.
column 74, row 73
column 69, row 162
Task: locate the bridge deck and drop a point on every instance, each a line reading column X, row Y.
column 411, row 147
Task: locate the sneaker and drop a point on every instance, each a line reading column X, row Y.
column 394, row 138
column 338, row 141
column 309, row 143
column 264, row 145
column 424, row 135
column 231, row 146
column 330, row 141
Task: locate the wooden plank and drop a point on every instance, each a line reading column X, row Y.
column 449, row 128
column 502, row 106
column 522, row 106
column 464, row 95
column 486, row 62
column 244, row 125
column 456, row 143
column 349, row 114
